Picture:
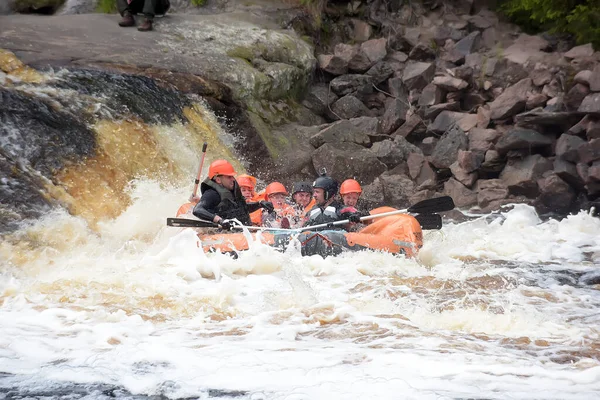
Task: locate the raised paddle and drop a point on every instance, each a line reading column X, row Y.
column 429, row 206
column 197, row 180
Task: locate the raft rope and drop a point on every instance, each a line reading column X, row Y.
column 325, row 239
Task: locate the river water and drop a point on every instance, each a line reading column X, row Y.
column 106, row 301
column 493, row 308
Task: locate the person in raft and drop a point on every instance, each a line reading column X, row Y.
column 276, row 193
column 303, row 202
column 247, row 185
column 350, row 192
column 327, row 208
column 222, row 199
column 128, row 8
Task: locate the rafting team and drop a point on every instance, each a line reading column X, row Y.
column 226, row 197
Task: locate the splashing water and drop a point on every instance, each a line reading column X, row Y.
column 489, row 310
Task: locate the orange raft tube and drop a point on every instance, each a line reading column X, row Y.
column 397, row 234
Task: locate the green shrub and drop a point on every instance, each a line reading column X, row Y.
column 107, row 6
column 580, row 18
column 198, row 3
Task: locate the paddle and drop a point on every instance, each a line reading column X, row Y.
column 429, row 206
column 429, row 221
column 197, row 180
column 195, row 223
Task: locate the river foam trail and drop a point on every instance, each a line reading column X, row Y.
column 498, row 307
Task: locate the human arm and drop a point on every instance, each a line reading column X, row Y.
column 207, row 206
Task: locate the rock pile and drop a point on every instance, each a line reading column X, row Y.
column 460, row 105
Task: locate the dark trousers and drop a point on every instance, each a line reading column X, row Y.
column 147, row 7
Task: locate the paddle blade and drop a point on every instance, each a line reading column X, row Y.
column 429, row 221
column 430, row 206
column 189, row 223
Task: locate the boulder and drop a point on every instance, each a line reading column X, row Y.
column 428, row 144
column 490, row 191
column 595, row 79
column 433, row 111
column 346, row 84
column 380, row 72
column 442, row 33
column 421, row 52
column 481, row 140
column 319, row 98
column 397, row 189
column 512, row 101
column 575, row 96
column 567, row 171
column 594, row 172
column 407, row 147
column 535, row 100
column 541, row 77
column 460, row 174
column 492, row 162
column 394, row 116
column 344, row 159
column 389, row 153
column 349, row 107
column 462, row 196
column 333, row 64
column 555, row 195
column 408, row 127
column 483, row 117
column 419, row 169
column 583, row 77
column 446, row 149
column 431, row 95
column 341, row 131
column 526, row 48
column 590, row 104
column 541, row 118
column 469, row 44
column 521, row 175
column 353, row 55
column 375, row 49
column 449, row 83
column 472, row 101
column 470, row 161
column 593, row 129
column 32, row 6
column 447, row 119
column 372, row 195
column 521, row 138
column 567, row 147
column 417, row 75
column 361, row 30
column 584, row 50
column 590, row 151
column 368, row 125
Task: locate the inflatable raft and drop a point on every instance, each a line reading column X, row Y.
column 397, row 234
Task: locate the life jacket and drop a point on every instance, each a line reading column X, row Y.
column 300, row 217
column 275, row 218
column 232, row 205
column 324, row 215
column 256, row 217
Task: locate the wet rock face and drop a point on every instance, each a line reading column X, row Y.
column 37, row 6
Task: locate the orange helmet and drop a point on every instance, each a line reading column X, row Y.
column 350, row 186
column 275, row 187
column 246, row 181
column 220, row 167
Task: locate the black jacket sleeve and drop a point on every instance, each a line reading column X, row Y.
column 206, row 209
column 253, row 206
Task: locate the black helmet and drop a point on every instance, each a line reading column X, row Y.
column 301, row 187
column 328, row 184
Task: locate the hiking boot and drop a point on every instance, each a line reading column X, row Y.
column 145, row 26
column 127, row 20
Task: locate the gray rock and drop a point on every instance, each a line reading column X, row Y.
column 318, row 99
column 344, row 159
column 460, row 174
column 447, row 119
column 346, row 84
column 341, row 131
column 417, row 75
column 492, row 162
column 585, row 50
column 421, row 52
column 481, row 140
column 449, row 83
column 590, row 151
column 361, row 30
column 521, row 175
column 555, row 195
column 490, row 191
column 406, row 147
column 332, row 64
column 349, row 107
column 431, row 95
column 446, row 150
column 472, row 101
column 462, row 196
column 394, row 116
column 595, row 79
column 397, row 189
column 541, row 77
column 428, row 144
column 590, row 104
column 389, row 153
column 567, row 171
column 443, row 32
column 368, row 125
column 567, row 147
column 380, row 72
column 419, row 169
column 583, row 77
column 593, row 129
column 520, row 138
column 512, row 101
column 470, row 44
column 541, row 118
column 375, row 49
column 433, row 111
column 412, row 123
column 469, row 160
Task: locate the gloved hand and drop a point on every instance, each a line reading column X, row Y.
column 227, row 224
column 354, row 217
column 267, row 205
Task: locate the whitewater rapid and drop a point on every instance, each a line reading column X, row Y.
column 499, row 307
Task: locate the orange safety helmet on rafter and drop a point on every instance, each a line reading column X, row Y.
column 275, row 187
column 220, row 167
column 245, row 180
column 350, row 186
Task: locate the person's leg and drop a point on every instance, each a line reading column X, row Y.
column 126, row 12
column 149, row 11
